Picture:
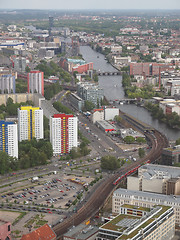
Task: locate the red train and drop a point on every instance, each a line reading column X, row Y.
column 128, row 173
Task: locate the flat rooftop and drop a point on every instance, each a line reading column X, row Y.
column 81, row 231
column 129, row 225
column 159, row 171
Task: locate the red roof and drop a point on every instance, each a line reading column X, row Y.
column 42, row 233
column 61, row 115
column 100, row 109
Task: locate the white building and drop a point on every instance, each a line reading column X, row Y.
column 7, row 83
column 9, row 138
column 63, row 133
column 36, row 82
column 110, row 113
column 30, row 123
column 144, row 199
column 97, row 115
column 157, row 179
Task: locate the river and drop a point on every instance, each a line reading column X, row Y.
column 112, row 86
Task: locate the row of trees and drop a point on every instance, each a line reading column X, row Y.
column 62, row 108
column 131, row 139
column 82, row 150
column 145, row 92
column 31, row 153
column 51, row 90
column 10, row 109
column 172, row 120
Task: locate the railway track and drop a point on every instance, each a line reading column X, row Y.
column 99, row 196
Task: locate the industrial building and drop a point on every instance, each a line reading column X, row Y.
column 138, row 223
column 36, row 82
column 9, row 138
column 30, row 123
column 157, row 179
column 105, row 126
column 145, row 199
column 63, row 133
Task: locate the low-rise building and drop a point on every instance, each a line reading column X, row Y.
column 105, row 126
column 97, row 115
column 81, row 232
column 45, row 232
column 137, row 223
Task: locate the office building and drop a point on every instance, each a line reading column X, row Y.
column 90, row 92
column 170, row 156
column 51, row 23
column 63, row 133
column 145, row 199
column 76, row 101
column 157, row 179
column 7, row 83
column 138, row 223
column 9, row 138
column 30, row 123
column 36, row 82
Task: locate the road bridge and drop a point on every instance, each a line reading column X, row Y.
column 99, row 73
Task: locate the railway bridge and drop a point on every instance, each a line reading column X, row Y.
column 99, row 196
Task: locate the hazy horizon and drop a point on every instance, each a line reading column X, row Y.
column 93, row 5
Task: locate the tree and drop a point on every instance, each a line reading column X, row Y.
column 141, row 152
column 109, row 163
column 129, row 139
column 178, row 141
column 88, row 106
column 27, row 69
column 140, row 140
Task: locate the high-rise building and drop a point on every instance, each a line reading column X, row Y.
column 30, row 123
column 63, row 133
column 7, row 83
column 9, row 138
column 36, row 82
column 51, row 20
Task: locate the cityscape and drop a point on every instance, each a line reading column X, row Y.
column 90, row 120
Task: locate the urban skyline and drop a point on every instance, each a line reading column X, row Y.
column 115, row 4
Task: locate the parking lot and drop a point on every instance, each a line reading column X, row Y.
column 49, row 192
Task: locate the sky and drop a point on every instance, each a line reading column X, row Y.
column 90, row 4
